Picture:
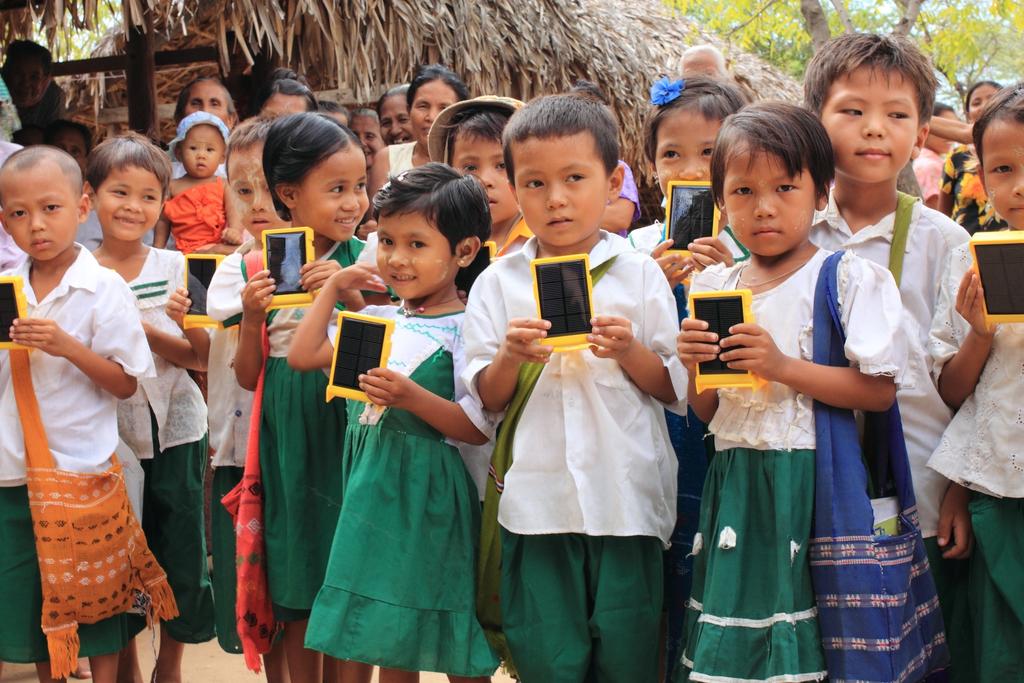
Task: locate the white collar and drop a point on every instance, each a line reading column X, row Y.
column 83, row 273
column 607, row 246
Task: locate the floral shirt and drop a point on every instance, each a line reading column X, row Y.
column 971, row 207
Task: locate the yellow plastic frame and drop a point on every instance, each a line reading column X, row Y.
column 290, row 300
column 988, row 239
column 748, row 380
column 20, row 302
column 492, row 248
column 333, row 390
column 666, row 234
column 569, row 342
column 193, row 321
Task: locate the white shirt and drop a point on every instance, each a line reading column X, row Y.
column 230, row 406
column 172, row 395
column 776, row 417
column 930, row 241
column 591, row 454
column 981, row 448
column 95, row 306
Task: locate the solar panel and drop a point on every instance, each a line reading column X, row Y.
column 690, row 213
column 12, row 306
column 1001, row 267
column 199, row 270
column 285, row 251
column 563, row 290
column 361, row 343
column 721, row 310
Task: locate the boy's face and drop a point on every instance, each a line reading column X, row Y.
column 27, row 81
column 41, row 211
column 249, row 192
column 202, row 151
column 684, row 145
column 72, row 142
column 873, row 122
column 562, row 188
column 1002, row 172
column 484, row 160
column 127, row 203
column 415, row 258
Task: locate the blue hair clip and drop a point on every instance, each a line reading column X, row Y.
column 664, row 91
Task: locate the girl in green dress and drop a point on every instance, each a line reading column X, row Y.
column 752, row 614
column 399, row 590
column 316, row 172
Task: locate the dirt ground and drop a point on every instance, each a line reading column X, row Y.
column 205, row 663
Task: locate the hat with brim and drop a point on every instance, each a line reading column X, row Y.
column 197, row 118
column 437, row 139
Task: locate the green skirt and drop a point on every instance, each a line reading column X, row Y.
column 752, row 613
column 399, row 590
column 21, row 632
column 301, row 439
column 222, row 547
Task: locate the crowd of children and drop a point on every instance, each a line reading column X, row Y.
column 589, row 513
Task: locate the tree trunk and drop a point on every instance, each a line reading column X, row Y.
column 816, row 22
column 911, row 8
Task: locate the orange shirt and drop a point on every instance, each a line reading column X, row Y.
column 197, row 216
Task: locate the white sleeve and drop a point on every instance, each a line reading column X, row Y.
column 369, row 252
column 949, row 328
column 470, row 402
column 647, row 238
column 224, row 297
column 872, row 315
column 661, row 327
column 483, row 330
column 118, row 333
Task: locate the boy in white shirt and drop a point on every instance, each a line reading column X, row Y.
column 89, row 350
column 874, row 95
column 588, row 501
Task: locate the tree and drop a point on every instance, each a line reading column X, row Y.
column 966, row 39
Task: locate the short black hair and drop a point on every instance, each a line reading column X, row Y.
column 455, row 204
column 435, row 72
column 582, row 86
column 975, row 86
column 248, row 134
column 296, row 144
column 941, row 108
column 29, row 157
column 790, row 134
column 712, row 98
column 124, row 151
column 27, row 49
column 285, row 86
column 558, row 116
column 59, row 125
column 484, row 123
column 889, row 54
column 332, row 107
column 1005, row 105
column 186, row 93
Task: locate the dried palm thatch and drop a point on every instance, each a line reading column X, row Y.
column 523, row 49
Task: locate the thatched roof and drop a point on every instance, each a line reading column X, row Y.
column 523, row 48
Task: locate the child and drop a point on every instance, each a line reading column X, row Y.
column 164, row 422
column 874, row 95
column 89, row 349
column 752, row 612
column 317, row 177
column 230, row 404
column 405, row 598
column 589, row 500
column 194, row 214
column 978, row 371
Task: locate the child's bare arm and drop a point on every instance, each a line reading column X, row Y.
column 256, row 296
column 49, row 338
column 839, row 387
column 696, row 345
column 216, row 248
column 161, row 232
column 496, row 383
column 192, row 352
column 612, row 337
column 961, row 373
column 386, row 387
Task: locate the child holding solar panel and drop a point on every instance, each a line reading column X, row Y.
column 316, row 173
column 874, row 95
column 752, row 612
column 571, row 554
column 977, row 365
column 399, row 592
column 165, row 421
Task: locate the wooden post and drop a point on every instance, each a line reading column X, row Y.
column 140, row 76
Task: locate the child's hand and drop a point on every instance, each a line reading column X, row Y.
column 389, row 388
column 45, row 335
column 955, row 535
column 970, row 303
column 612, row 336
column 314, row 275
column 178, row 305
column 758, row 354
column 695, row 344
column 231, row 236
column 520, row 345
column 707, row 251
column 674, row 265
column 256, row 296
column 358, row 276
